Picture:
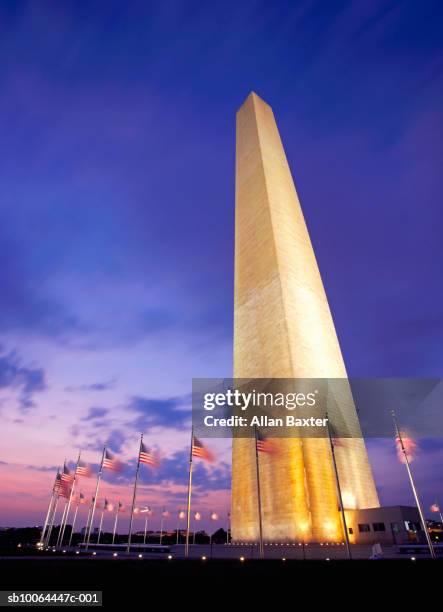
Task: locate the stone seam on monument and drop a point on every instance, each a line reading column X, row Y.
column 283, row 328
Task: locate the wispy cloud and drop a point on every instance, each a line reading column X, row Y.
column 24, row 379
column 173, row 412
column 96, row 386
column 95, row 412
column 43, row 468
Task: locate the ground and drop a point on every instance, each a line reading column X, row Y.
column 137, row 581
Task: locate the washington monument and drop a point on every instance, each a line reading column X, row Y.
column 283, row 328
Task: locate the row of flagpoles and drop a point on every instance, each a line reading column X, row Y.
column 405, row 451
column 65, row 483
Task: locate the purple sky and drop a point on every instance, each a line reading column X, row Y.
column 117, row 207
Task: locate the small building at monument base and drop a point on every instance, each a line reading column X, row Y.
column 386, row 525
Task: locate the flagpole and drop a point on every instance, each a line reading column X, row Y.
column 414, row 490
column 51, row 524
column 51, row 502
column 51, row 518
column 70, row 499
column 87, row 520
column 61, row 523
column 48, row 514
column 146, row 528
column 188, row 519
column 73, row 524
column 161, row 528
column 94, row 503
column 337, row 483
column 439, row 511
column 259, row 496
column 100, row 527
column 115, row 522
column 178, row 525
column 63, row 513
column 131, row 520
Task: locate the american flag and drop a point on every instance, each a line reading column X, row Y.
column 84, row 469
column 65, row 490
column 264, row 445
column 199, row 450
column 146, row 456
column 66, row 480
column 66, row 475
column 410, row 447
column 57, row 483
column 110, row 462
column 435, row 508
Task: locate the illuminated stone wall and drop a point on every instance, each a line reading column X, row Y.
column 283, row 328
